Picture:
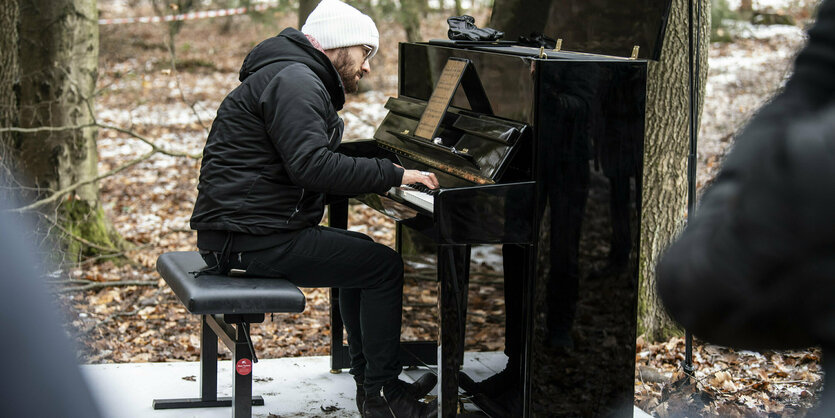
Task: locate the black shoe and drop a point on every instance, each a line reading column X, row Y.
column 360, row 392
column 506, row 405
column 396, row 401
column 418, row 389
column 493, row 386
column 422, row 386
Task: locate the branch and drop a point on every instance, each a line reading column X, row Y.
column 92, row 260
column 80, row 281
column 114, row 315
column 428, row 277
column 100, row 285
column 154, row 146
column 173, row 56
column 77, row 238
column 47, row 128
column 60, row 193
column 420, row 304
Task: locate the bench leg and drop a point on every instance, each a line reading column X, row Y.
column 208, row 361
column 242, row 375
column 208, row 377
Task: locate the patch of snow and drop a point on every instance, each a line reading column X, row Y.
column 746, row 30
column 363, row 115
column 742, row 76
column 490, row 255
column 175, row 114
column 121, row 148
column 759, row 356
column 764, row 4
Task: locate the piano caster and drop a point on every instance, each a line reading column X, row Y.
column 336, row 371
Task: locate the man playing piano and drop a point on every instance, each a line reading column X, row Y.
column 268, row 163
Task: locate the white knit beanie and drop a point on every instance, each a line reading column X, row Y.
column 335, row 25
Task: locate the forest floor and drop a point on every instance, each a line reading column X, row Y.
column 150, row 205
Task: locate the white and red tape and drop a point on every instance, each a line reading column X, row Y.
column 185, row 16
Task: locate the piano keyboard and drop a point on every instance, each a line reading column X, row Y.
column 416, row 194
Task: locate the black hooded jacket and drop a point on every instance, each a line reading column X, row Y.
column 269, row 158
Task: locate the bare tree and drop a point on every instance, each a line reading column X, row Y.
column 8, row 80
column 665, row 159
column 162, row 8
column 305, row 7
column 746, row 6
column 58, row 60
column 409, row 17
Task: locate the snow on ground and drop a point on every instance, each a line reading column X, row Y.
column 764, row 4
column 742, row 76
column 159, row 115
column 363, row 115
column 747, row 30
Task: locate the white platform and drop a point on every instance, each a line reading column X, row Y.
column 291, row 387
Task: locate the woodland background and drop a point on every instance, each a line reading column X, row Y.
column 157, row 87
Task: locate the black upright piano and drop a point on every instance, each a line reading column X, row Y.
column 540, row 151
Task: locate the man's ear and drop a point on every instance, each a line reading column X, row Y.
column 332, row 53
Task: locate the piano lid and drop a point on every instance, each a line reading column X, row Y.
column 608, row 27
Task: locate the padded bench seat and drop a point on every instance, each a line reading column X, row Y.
column 212, row 294
column 227, row 307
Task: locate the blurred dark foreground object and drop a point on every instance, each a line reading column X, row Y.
column 463, row 28
column 536, row 40
column 755, row 268
column 40, row 377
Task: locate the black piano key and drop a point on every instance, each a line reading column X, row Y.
column 423, row 188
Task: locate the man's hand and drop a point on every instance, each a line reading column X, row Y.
column 423, row 177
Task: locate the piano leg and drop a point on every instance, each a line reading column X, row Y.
column 337, row 218
column 453, row 280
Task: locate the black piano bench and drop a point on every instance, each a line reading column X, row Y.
column 227, row 305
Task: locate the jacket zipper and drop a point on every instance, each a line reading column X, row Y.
column 296, row 210
column 332, row 139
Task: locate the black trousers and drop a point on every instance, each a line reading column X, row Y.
column 370, row 281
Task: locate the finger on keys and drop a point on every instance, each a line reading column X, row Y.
column 431, row 181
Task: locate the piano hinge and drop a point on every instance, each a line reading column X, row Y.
column 635, row 50
column 542, row 54
column 558, row 46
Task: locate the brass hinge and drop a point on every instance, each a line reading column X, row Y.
column 558, row 47
column 635, row 50
column 542, row 54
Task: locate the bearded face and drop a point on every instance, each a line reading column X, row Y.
column 349, row 71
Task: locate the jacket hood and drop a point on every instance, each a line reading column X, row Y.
column 292, row 45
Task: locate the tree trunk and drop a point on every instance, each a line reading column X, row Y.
column 746, row 6
column 59, row 45
column 458, row 9
column 305, row 7
column 8, row 79
column 666, row 143
column 409, row 17
column 164, row 8
column 665, row 159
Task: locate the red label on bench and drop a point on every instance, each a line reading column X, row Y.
column 243, row 367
